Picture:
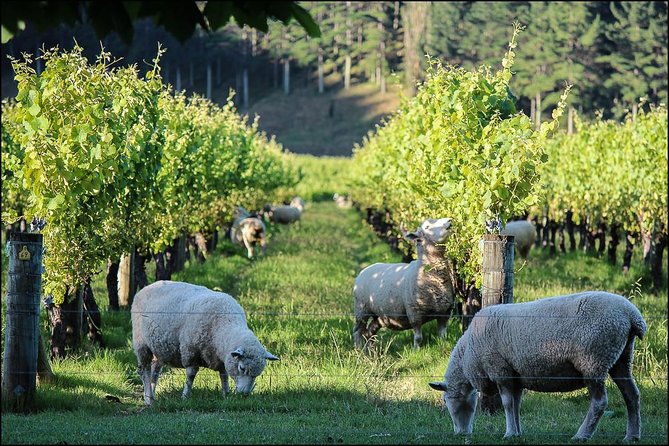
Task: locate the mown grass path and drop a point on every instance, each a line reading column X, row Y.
column 299, row 303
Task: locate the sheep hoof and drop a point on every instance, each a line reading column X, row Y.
column 579, row 438
column 629, row 438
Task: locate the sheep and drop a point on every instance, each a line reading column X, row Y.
column 284, row 214
column 189, row 326
column 402, row 296
column 342, row 201
column 555, row 344
column 298, row 202
column 247, row 231
column 524, row 234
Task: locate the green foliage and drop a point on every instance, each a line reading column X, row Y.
column 115, row 162
column 457, row 149
column 611, row 171
column 180, row 19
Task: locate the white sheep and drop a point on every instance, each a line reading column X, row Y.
column 555, row 344
column 284, row 214
column 342, row 201
column 524, row 234
column 297, row 202
column 404, row 296
column 248, row 231
column 190, row 326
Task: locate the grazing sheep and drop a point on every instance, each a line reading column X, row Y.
column 342, row 201
column 190, row 326
column 401, row 296
column 556, row 344
column 284, row 214
column 524, row 234
column 298, row 203
column 247, row 231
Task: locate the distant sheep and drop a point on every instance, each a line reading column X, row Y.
column 556, row 344
column 248, row 231
column 403, row 296
column 342, row 201
column 524, row 234
column 284, row 214
column 298, row 203
column 190, row 326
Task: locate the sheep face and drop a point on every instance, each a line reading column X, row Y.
column 431, row 230
column 244, row 365
column 461, row 404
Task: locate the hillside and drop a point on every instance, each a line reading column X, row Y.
column 324, row 124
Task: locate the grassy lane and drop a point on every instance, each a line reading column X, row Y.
column 298, row 301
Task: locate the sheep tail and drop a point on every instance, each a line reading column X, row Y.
column 639, row 326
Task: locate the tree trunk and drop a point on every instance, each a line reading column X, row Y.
column 93, row 316
column 570, row 121
column 112, row 284
column 286, row 75
column 209, row 80
column 601, row 238
column 66, row 322
column 613, row 244
column 570, row 230
column 161, row 268
column 630, row 238
column 414, row 19
column 245, row 84
column 177, row 86
column 538, row 110
column 656, row 265
column 139, row 271
column 44, row 372
column 321, row 79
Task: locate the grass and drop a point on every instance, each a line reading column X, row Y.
column 325, row 124
column 298, row 299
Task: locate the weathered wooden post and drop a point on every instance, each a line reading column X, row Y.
column 24, row 286
column 498, row 251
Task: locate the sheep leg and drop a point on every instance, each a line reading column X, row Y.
column 417, row 337
column 598, row 403
column 190, row 377
column 358, row 330
column 621, row 373
column 442, row 325
column 156, row 367
column 511, row 402
column 144, row 357
column 249, row 248
column 224, row 382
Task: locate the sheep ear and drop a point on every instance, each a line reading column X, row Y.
column 238, row 353
column 271, row 357
column 438, row 386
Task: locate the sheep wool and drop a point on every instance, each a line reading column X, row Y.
column 403, row 296
column 555, row 344
column 248, row 232
column 284, row 214
column 524, row 234
column 189, row 326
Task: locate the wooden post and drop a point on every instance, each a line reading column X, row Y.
column 498, row 251
column 126, row 280
column 24, row 286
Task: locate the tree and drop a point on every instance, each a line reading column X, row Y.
column 178, row 18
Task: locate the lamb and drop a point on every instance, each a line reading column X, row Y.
column 524, row 234
column 401, row 296
column 247, row 231
column 298, row 203
column 555, row 344
column 284, row 214
column 189, row 326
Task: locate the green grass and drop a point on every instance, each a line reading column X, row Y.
column 299, row 304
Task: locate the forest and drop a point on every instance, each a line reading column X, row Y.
column 613, row 53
